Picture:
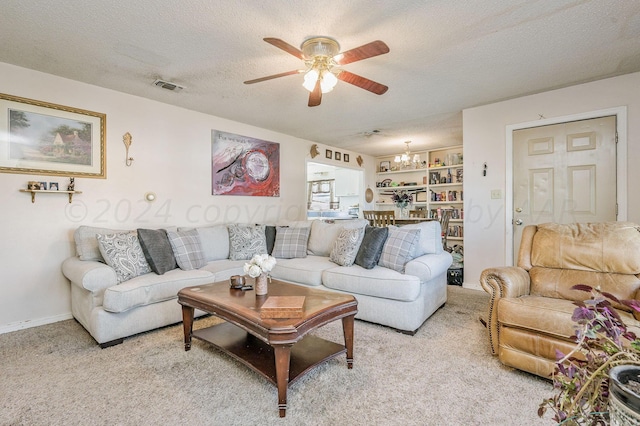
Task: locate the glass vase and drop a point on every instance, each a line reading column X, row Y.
column 261, row 285
column 404, row 212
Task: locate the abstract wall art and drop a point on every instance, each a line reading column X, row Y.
column 241, row 165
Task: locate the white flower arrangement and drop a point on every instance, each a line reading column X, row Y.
column 259, row 264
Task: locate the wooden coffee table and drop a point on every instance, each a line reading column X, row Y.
column 280, row 349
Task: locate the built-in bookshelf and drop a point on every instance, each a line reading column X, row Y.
column 435, row 182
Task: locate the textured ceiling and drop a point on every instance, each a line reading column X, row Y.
column 445, row 55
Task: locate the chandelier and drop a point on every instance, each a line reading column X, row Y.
column 406, row 159
column 319, row 55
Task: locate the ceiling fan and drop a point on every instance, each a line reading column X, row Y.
column 321, row 58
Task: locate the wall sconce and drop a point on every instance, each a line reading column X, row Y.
column 127, row 143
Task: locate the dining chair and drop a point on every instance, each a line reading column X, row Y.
column 418, row 213
column 380, row 218
column 444, row 225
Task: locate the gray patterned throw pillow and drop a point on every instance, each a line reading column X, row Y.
column 122, row 251
column 187, row 249
column 291, row 243
column 398, row 248
column 246, row 241
column 346, row 246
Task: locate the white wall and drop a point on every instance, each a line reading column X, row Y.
column 171, row 150
column 484, row 132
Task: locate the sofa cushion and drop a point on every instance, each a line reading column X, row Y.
column 307, row 271
column 187, row 249
column 151, row 288
column 398, row 248
column 245, row 241
column 157, row 250
column 542, row 314
column 599, row 247
column 323, row 234
column 214, row 241
column 558, row 283
column 86, row 243
column 371, row 247
column 345, row 247
column 430, row 241
column 290, row 243
column 122, row 251
column 376, row 282
column 224, row 268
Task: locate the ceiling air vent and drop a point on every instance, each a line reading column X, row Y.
column 168, row 85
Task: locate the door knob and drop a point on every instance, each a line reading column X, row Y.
column 518, row 210
column 518, row 222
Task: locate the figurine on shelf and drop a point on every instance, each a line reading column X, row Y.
column 72, row 184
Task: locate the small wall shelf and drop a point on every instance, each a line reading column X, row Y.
column 42, row 191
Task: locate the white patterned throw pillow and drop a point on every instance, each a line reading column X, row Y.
column 346, row 246
column 399, row 248
column 246, row 241
column 122, row 251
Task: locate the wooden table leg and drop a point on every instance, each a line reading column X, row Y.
column 187, row 325
column 347, row 330
column 283, row 358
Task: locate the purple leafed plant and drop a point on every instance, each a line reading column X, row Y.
column 401, row 198
column 581, row 377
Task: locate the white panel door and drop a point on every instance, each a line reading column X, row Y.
column 564, row 173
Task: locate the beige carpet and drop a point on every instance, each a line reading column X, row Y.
column 444, row 375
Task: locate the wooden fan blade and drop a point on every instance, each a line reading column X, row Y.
column 315, row 97
column 281, row 44
column 362, row 82
column 271, row 77
column 365, row 51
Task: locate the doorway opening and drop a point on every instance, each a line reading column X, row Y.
column 333, row 192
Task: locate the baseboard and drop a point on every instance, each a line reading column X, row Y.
column 8, row 328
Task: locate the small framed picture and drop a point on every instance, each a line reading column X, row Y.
column 328, row 154
column 43, row 186
column 338, row 156
column 345, row 158
column 385, row 166
column 53, row 186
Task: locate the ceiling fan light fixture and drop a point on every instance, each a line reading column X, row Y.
column 329, row 81
column 310, row 79
column 319, row 46
column 322, row 56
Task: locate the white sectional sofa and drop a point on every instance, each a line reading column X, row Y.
column 112, row 306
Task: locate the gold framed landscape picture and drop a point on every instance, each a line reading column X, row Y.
column 49, row 139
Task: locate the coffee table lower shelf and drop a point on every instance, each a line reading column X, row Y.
column 260, row 357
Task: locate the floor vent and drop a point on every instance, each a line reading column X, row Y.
column 168, row 85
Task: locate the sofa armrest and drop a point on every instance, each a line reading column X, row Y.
column 429, row 266
column 89, row 274
column 508, row 281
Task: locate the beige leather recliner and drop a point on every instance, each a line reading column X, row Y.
column 531, row 304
